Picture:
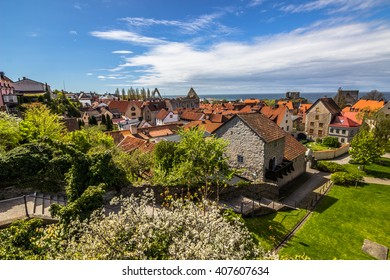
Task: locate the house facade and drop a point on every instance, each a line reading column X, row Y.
column 281, row 115
column 7, row 96
column 319, row 116
column 344, row 129
column 258, row 147
column 165, row 117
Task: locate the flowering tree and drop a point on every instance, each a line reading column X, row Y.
column 136, row 231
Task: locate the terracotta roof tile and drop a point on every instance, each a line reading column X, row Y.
column 207, row 125
column 274, row 114
column 262, row 126
column 292, row 148
column 191, row 116
column 130, row 144
column 344, row 121
column 367, row 105
column 162, row 114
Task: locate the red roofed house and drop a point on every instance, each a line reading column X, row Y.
column 165, row 117
column 280, row 115
column 344, row 129
column 262, row 149
column 151, row 108
column 206, row 125
column 189, row 116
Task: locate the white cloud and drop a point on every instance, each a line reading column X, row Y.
column 73, row 32
column 89, row 74
column 126, row 36
column 336, row 6
column 77, row 6
column 254, row 3
column 122, row 52
column 310, row 58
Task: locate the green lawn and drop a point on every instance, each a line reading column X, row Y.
column 317, row 147
column 270, row 229
column 341, row 222
column 379, row 169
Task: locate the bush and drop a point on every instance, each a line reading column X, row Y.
column 345, row 178
column 331, row 142
column 328, row 166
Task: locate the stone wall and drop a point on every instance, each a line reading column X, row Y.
column 320, row 155
column 319, row 126
column 246, row 143
column 274, row 149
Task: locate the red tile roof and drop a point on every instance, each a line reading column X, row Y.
column 262, row 126
column 130, row 144
column 343, row 121
column 162, row 114
column 121, row 105
column 367, row 105
column 354, row 116
column 288, row 104
column 191, row 116
column 207, row 125
column 293, row 148
column 274, row 114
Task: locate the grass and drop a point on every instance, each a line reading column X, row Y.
column 341, row 222
column 269, row 230
column 318, row 147
column 379, row 169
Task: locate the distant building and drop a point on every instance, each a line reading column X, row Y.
column 343, row 128
column 190, row 101
column 293, row 95
column 30, row 89
column 281, row 115
column 165, row 117
column 8, row 98
column 346, row 97
column 319, row 116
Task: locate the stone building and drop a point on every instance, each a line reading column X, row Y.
column 280, row 115
column 262, row 150
column 319, row 116
column 129, row 109
column 190, row 101
column 345, row 98
column 7, row 97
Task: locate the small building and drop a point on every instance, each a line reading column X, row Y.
column 262, row 149
column 319, row 116
column 281, row 115
column 30, row 90
column 344, row 129
column 8, row 99
column 165, row 117
column 129, row 109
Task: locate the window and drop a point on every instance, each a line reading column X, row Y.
column 317, row 110
column 288, row 128
column 133, row 114
column 133, row 108
column 343, row 132
column 311, row 123
column 317, row 117
column 331, row 130
column 337, row 131
column 311, row 131
column 286, row 121
column 240, row 159
column 321, row 125
column 319, row 133
column 342, row 140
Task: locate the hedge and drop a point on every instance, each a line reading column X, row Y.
column 329, row 166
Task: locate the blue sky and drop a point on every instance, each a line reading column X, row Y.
column 215, row 46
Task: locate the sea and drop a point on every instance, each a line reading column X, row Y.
column 311, row 97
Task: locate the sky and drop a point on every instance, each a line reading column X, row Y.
column 214, row 46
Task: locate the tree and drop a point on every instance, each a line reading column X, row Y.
column 104, row 122
column 123, row 94
column 365, row 148
column 90, row 138
column 39, row 122
column 196, row 161
column 10, row 135
column 374, row 95
column 182, row 231
column 137, row 165
column 109, row 125
column 381, row 129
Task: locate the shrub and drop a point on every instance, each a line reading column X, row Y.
column 328, row 166
column 345, row 178
column 330, row 141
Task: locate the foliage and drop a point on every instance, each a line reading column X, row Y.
column 137, row 165
column 34, row 161
column 346, row 178
column 381, row 129
column 39, row 123
column 18, row 242
column 63, row 106
column 194, row 161
column 183, row 231
column 365, row 148
column 331, row 142
column 329, row 166
column 9, row 131
column 109, row 125
column 80, row 208
column 90, row 137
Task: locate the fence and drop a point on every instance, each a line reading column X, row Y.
column 27, row 206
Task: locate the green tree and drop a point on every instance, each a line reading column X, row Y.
column 109, row 124
column 137, row 165
column 39, row 123
column 104, row 122
column 365, row 148
column 90, row 138
column 10, row 135
column 374, row 95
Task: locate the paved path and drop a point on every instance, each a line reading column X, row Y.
column 316, row 180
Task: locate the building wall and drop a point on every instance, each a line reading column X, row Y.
column 344, row 134
column 246, row 143
column 171, row 117
column 287, row 124
column 299, row 165
column 386, row 109
column 317, row 121
column 133, row 112
column 274, row 149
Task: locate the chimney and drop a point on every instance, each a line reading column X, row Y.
column 2, row 75
column 133, row 129
column 24, row 78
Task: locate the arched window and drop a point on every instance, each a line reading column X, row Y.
column 272, row 163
